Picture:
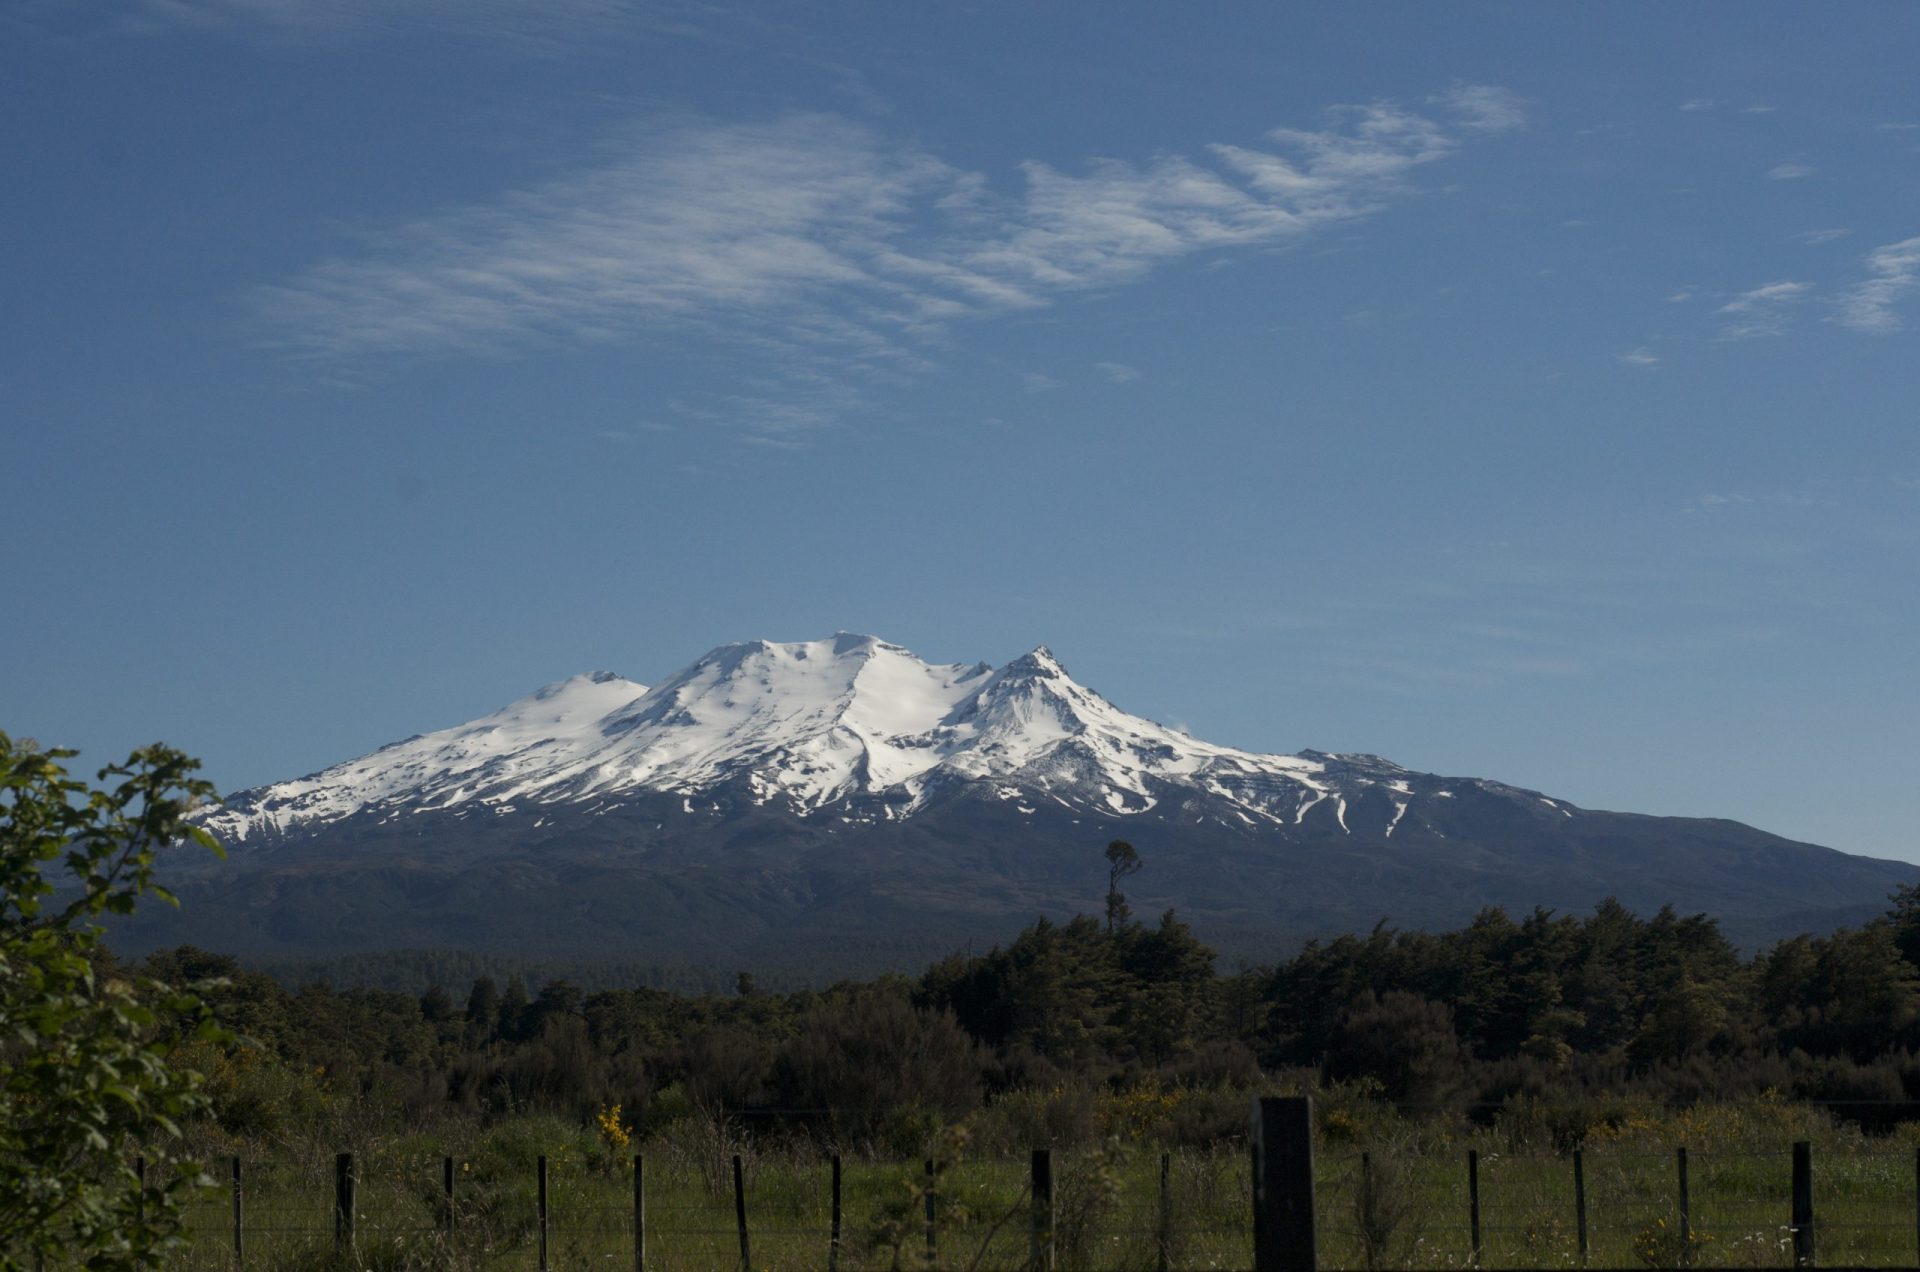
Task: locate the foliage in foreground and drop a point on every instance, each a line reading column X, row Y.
column 88, row 1072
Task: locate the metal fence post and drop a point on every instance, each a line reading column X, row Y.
column 542, row 1201
column 1473, row 1204
column 833, row 1237
column 1686, row 1207
column 446, row 1195
column 1163, row 1234
column 740, row 1214
column 639, row 1213
column 239, row 1225
column 1580, row 1201
column 1283, row 1219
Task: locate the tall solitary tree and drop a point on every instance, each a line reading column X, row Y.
column 1122, row 861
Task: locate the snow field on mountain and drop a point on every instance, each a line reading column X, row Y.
column 814, row 725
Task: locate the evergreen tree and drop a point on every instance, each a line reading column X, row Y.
column 1122, row 861
column 483, row 1010
column 512, row 1013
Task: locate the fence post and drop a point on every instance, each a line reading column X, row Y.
column 542, row 1201
column 639, row 1213
column 1803, row 1249
column 932, row 1247
column 446, row 1195
column 1366, row 1210
column 1283, row 1234
column 1163, row 1235
column 833, row 1236
column 740, row 1214
column 343, row 1201
column 1040, row 1239
column 239, row 1227
column 1473, row 1204
column 1580, row 1201
column 1686, row 1207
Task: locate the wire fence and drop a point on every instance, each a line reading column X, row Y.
column 1141, row 1209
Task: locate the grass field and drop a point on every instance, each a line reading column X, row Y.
column 1108, row 1202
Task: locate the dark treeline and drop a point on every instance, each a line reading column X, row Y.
column 1609, row 1005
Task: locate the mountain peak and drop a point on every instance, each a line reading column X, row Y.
column 1038, row 661
column 848, row 724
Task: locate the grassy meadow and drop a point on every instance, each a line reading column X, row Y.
column 1391, row 1192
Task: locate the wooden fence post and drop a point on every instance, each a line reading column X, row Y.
column 639, row 1213
column 542, row 1202
column 239, row 1224
column 446, row 1195
column 1283, row 1219
column 1163, row 1228
column 1803, row 1248
column 833, row 1234
column 140, row 1197
column 1040, row 1235
column 1580, row 1201
column 740, row 1214
column 1473, row 1204
column 344, row 1204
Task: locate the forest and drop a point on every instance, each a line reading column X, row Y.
column 1580, row 1011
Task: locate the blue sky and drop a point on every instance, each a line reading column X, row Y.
column 1519, row 391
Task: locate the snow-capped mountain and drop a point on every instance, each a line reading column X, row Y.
column 852, row 728
column 844, row 806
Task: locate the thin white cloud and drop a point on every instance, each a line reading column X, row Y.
column 1790, row 171
column 522, row 21
column 1037, row 382
column 1681, row 297
column 1641, row 357
column 1869, row 305
column 1118, row 372
column 1761, row 311
column 1711, row 503
column 1814, row 238
column 1483, row 107
column 1758, row 108
column 819, row 238
column 1697, row 103
column 1708, row 504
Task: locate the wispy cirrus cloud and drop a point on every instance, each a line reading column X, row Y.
column 818, row 235
column 1641, row 357
column 1814, row 238
column 519, row 21
column 1484, row 107
column 1790, row 171
column 1895, row 271
column 1761, row 311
